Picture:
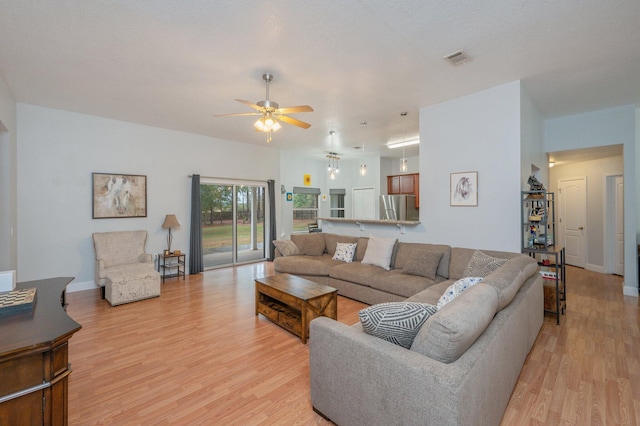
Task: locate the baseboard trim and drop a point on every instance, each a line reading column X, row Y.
column 594, row 268
column 630, row 291
column 82, row 285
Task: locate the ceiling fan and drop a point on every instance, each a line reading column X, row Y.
column 271, row 113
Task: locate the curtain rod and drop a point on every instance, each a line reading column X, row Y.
column 223, row 179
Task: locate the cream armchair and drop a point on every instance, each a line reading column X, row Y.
column 120, row 253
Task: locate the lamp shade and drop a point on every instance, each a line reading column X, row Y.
column 170, row 221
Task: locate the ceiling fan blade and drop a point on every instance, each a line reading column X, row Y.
column 293, row 109
column 250, row 104
column 294, row 121
column 240, row 114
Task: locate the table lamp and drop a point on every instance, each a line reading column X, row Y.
column 170, row 221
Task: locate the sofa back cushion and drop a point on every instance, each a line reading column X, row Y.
column 405, row 252
column 454, row 328
column 120, row 247
column 508, row 279
column 363, row 243
column 309, row 244
column 331, row 241
column 460, row 258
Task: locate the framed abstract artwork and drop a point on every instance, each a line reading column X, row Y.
column 118, row 196
column 464, row 189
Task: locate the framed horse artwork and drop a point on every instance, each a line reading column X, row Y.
column 464, row 189
column 118, row 196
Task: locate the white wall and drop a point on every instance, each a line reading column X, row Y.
column 58, row 151
column 479, row 132
column 533, row 155
column 611, row 126
column 595, row 171
column 8, row 178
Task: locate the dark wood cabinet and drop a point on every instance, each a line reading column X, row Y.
column 34, row 358
column 405, row 184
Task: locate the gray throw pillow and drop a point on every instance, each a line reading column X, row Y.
column 396, row 322
column 424, row 264
column 482, row 264
column 286, row 247
column 379, row 252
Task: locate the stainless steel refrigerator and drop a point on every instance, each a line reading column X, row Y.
column 398, row 207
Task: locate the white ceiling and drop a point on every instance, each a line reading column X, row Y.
column 173, row 64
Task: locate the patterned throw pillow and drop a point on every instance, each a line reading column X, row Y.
column 482, row 264
column 456, row 288
column 345, row 252
column 286, row 247
column 396, row 322
column 424, row 264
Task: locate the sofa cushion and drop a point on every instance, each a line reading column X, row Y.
column 396, row 282
column 404, row 252
column 430, row 294
column 482, row 264
column 456, row 289
column 309, row 244
column 345, row 252
column 461, row 256
column 355, row 272
column 286, row 247
column 363, row 243
column 379, row 252
column 396, row 322
column 332, row 240
column 424, row 264
column 305, row 265
column 454, row 328
column 509, row 278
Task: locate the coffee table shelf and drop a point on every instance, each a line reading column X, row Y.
column 292, row 302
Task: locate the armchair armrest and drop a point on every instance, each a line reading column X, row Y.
column 101, row 264
column 145, row 258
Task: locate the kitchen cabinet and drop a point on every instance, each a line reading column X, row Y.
column 405, row 184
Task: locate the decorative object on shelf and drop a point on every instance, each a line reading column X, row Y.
column 464, row 189
column 7, row 280
column 170, row 221
column 334, row 167
column 117, row 196
column 17, row 301
column 535, row 185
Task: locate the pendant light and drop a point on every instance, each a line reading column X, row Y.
column 334, row 167
column 363, row 166
column 403, row 161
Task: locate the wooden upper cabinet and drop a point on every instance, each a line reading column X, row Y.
column 405, row 184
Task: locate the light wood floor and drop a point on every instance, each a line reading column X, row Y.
column 199, row 355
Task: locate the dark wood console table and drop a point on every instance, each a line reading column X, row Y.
column 34, row 367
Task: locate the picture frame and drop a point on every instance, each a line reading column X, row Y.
column 464, row 189
column 118, row 195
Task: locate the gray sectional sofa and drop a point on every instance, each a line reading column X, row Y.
column 465, row 359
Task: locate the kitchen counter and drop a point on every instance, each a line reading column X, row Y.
column 362, row 222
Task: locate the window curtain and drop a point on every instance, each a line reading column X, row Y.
column 195, row 260
column 272, row 217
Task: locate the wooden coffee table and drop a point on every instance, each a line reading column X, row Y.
column 292, row 302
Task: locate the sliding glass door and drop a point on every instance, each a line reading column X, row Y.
column 233, row 219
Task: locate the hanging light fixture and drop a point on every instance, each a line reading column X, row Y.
column 334, row 167
column 363, row 166
column 403, row 161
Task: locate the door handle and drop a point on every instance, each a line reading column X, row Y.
column 580, row 228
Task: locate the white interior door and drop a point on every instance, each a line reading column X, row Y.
column 618, row 262
column 572, row 220
column 364, row 203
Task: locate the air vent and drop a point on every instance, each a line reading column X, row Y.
column 457, row 58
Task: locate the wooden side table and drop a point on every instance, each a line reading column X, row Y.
column 171, row 265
